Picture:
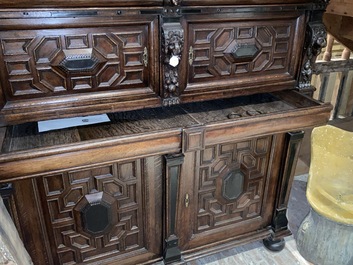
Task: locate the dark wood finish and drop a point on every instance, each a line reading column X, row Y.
column 78, row 3
column 171, row 251
column 214, row 69
column 279, row 223
column 132, row 234
column 214, row 214
column 63, row 169
column 37, row 84
column 184, row 169
column 60, row 59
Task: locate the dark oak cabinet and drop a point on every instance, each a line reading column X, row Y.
column 207, row 102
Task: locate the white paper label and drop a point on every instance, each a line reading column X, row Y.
column 57, row 124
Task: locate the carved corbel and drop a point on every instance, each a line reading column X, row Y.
column 172, row 46
column 316, row 40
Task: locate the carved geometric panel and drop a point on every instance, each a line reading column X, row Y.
column 233, row 48
column 231, row 182
column 95, row 212
column 63, row 61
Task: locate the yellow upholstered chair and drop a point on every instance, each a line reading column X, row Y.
column 325, row 237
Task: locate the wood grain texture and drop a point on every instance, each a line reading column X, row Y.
column 37, row 84
column 121, row 51
column 156, row 130
column 78, row 3
column 103, row 194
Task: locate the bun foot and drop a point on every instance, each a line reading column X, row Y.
column 274, row 245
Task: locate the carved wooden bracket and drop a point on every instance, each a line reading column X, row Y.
column 172, row 46
column 316, row 40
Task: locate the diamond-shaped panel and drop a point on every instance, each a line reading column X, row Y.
column 106, row 46
column 108, row 75
column 216, row 208
column 47, row 49
column 262, row 61
column 219, row 166
column 113, row 188
column 80, row 241
column 73, row 196
column 248, row 160
column 264, row 36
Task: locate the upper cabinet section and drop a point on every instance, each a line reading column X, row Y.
column 74, row 58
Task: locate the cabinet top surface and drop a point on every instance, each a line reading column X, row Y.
column 130, row 3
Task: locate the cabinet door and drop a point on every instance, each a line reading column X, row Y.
column 237, row 54
column 231, row 189
column 107, row 214
column 78, row 67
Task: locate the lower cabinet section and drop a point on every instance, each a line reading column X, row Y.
column 187, row 183
column 113, row 213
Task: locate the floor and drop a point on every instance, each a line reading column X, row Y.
column 255, row 253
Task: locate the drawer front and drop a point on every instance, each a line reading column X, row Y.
column 231, row 55
column 105, row 214
column 78, row 67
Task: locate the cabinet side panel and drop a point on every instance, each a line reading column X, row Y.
column 32, row 228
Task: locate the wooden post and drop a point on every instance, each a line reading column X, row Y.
column 340, row 85
column 328, row 50
column 325, row 76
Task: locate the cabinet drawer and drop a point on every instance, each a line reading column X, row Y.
column 237, row 54
column 77, row 67
column 25, row 152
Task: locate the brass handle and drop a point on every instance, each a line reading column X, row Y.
column 191, row 55
column 187, row 200
column 145, row 57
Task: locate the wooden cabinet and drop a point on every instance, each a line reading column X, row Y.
column 63, row 60
column 205, row 175
column 207, row 106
